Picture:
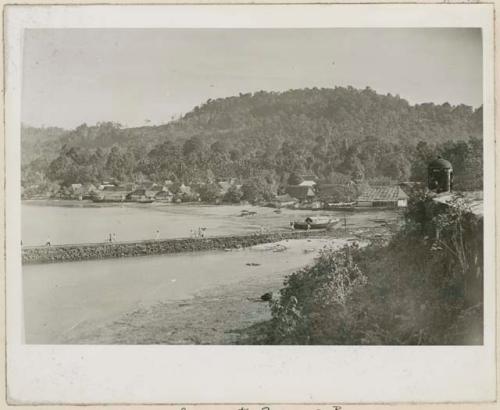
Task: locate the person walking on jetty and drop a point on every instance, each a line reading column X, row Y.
column 201, row 232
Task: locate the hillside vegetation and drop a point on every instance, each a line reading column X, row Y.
column 265, row 137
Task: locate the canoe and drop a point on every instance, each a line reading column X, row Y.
column 247, row 213
column 310, row 223
column 305, row 225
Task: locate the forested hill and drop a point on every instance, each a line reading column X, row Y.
column 323, row 131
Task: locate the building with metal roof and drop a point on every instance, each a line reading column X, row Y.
column 382, row 196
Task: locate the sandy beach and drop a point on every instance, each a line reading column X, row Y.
column 214, row 315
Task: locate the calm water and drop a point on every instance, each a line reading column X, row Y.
column 61, row 299
column 83, row 222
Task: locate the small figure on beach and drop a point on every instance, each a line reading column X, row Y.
column 292, row 226
column 157, row 236
column 114, row 237
column 110, row 239
column 202, row 232
column 48, row 241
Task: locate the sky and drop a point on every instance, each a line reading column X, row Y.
column 149, row 76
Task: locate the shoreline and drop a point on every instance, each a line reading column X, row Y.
column 90, row 203
column 215, row 315
column 91, row 251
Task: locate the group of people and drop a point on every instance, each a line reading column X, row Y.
column 111, row 237
column 197, row 233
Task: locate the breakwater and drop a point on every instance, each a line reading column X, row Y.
column 105, row 250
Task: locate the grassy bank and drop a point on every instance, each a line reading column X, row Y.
column 423, row 287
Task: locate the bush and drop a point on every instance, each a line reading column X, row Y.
column 233, row 195
column 424, row 287
column 315, row 294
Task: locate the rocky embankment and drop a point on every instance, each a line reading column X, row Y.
column 80, row 252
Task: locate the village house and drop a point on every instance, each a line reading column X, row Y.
column 141, row 194
column 76, row 191
column 129, row 186
column 164, row 196
column 149, row 185
column 383, row 196
column 88, row 190
column 285, row 200
column 335, row 193
column 186, row 194
column 301, row 193
column 308, row 180
column 112, row 193
column 106, row 184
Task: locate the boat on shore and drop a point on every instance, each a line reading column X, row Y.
column 341, row 206
column 106, row 200
column 315, row 222
column 245, row 212
column 120, row 200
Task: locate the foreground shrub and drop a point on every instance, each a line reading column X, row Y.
column 315, row 294
column 424, row 287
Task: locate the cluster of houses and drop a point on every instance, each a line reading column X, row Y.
column 308, row 194
column 112, row 192
column 143, row 192
column 311, row 194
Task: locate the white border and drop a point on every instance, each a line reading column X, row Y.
column 235, row 374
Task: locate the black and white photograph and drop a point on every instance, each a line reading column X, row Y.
column 253, row 186
column 260, row 186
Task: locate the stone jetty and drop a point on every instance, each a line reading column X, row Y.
column 105, row 250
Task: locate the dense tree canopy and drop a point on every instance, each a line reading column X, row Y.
column 359, row 134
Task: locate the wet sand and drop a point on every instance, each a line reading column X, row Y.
column 199, row 297
column 173, row 299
